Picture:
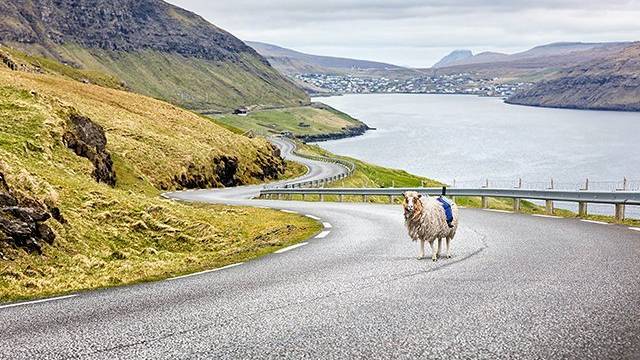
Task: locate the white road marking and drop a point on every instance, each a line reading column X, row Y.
column 634, row 228
column 548, row 216
column 289, row 211
column 323, row 234
column 37, row 301
column 312, row 217
column 595, row 222
column 288, row 248
column 499, row 211
column 206, row 271
column 327, row 225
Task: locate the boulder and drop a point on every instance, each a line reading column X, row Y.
column 22, row 223
column 88, row 139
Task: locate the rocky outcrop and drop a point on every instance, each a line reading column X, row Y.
column 8, row 61
column 345, row 133
column 222, row 171
column 87, row 139
column 271, row 165
column 22, row 223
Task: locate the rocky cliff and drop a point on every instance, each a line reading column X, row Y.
column 612, row 83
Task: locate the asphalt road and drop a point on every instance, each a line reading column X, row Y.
column 517, row 286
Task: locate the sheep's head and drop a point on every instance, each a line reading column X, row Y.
column 412, row 203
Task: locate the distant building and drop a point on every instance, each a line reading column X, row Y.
column 241, row 111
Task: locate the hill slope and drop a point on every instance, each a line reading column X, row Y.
column 81, row 169
column 158, row 49
column 612, row 83
column 292, row 62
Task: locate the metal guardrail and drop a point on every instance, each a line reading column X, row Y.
column 349, row 166
column 583, row 197
column 617, row 198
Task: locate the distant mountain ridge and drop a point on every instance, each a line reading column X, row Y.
column 539, row 58
column 453, row 57
column 293, row 62
column 158, row 49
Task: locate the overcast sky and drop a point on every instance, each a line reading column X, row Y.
column 418, row 33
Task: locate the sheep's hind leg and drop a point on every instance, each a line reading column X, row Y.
column 448, row 253
column 434, row 250
column 439, row 247
column 421, row 253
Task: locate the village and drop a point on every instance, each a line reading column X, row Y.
column 462, row 83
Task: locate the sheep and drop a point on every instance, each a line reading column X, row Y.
column 426, row 220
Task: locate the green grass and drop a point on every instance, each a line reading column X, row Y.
column 50, row 66
column 126, row 234
column 300, row 121
column 197, row 84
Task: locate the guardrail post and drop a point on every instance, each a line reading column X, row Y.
column 391, row 199
column 365, row 198
column 279, row 196
column 304, row 196
column 620, row 212
column 485, row 202
column 516, row 205
column 582, row 209
column 549, row 207
column 341, row 197
column 321, row 197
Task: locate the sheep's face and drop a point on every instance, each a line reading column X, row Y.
column 412, row 203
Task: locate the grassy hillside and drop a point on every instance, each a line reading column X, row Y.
column 38, row 64
column 156, row 48
column 198, row 84
column 305, row 122
column 292, row 62
column 125, row 234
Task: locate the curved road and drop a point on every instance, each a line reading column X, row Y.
column 517, row 286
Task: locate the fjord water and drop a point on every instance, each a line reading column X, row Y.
column 470, row 139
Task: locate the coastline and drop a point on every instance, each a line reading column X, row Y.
column 346, row 133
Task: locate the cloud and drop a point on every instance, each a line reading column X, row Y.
column 418, row 33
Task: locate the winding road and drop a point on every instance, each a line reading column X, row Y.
column 518, row 286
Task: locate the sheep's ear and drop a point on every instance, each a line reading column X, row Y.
column 419, row 196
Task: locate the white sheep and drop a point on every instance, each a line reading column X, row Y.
column 426, row 220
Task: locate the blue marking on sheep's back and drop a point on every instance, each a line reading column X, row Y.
column 446, row 205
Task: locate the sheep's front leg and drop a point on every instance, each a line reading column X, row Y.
column 421, row 253
column 439, row 247
column 448, row 253
column 434, row 250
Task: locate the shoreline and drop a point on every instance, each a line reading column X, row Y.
column 504, row 100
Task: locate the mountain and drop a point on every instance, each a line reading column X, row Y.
column 156, row 48
column 292, row 62
column 610, row 83
column 453, row 57
column 534, row 62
